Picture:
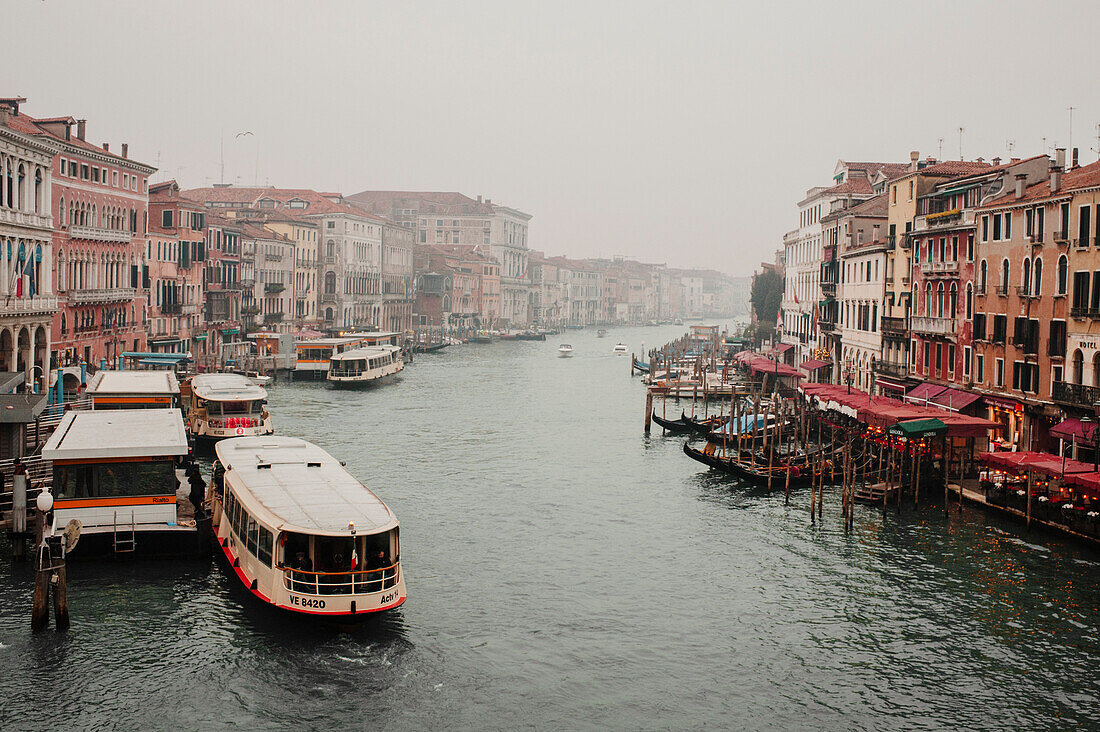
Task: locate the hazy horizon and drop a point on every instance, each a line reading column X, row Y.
column 681, row 134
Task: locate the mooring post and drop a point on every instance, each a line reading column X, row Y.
column 648, row 408
column 40, row 609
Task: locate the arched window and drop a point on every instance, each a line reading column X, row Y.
column 939, row 301
column 1026, row 281
column 38, row 191
column 1063, row 274
column 982, row 276
column 969, row 301
column 1096, row 369
column 1004, row 274
column 61, row 213
column 928, row 300
column 1037, row 278
column 330, row 283
column 21, row 188
column 1078, row 366
column 953, row 306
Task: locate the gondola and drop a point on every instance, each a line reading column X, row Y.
column 675, row 426
column 800, row 477
column 640, row 366
column 431, row 347
column 706, row 426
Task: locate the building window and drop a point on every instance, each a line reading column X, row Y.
column 1037, row 278
column 1084, row 224
column 979, row 368
column 966, row 360
column 985, row 228
column 999, row 372
column 1063, row 274
column 969, row 301
column 166, row 219
column 982, row 272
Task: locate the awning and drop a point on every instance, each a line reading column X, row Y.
column 158, row 362
column 1042, row 462
column 783, row 348
column 955, row 399
column 199, row 337
column 923, row 392
column 812, row 364
column 21, row 408
column 230, row 331
column 882, row 381
column 1088, row 481
column 173, row 357
column 1073, row 429
column 918, row 428
column 995, row 401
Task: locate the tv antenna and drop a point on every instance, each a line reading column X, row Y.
column 961, row 130
column 939, row 156
column 1070, row 145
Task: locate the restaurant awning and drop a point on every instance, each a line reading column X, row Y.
column 1006, row 403
column 921, row 393
column 1088, row 481
column 1042, row 462
column 955, row 399
column 782, row 348
column 1073, row 430
column 918, row 428
column 812, row 364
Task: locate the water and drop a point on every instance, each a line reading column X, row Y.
column 565, row 571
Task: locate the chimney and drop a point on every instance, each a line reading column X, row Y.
column 125, row 149
column 5, row 115
column 1055, row 179
column 874, row 232
column 106, row 147
column 479, row 199
column 1020, row 178
column 1075, row 158
column 996, row 161
column 489, row 201
column 914, row 156
column 1060, row 157
column 81, row 128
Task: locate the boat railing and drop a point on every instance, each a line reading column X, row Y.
column 352, row 582
column 345, row 373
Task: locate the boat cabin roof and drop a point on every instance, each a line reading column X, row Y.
column 301, row 487
column 366, row 352
column 226, row 388
column 346, row 339
column 122, row 433
column 133, row 383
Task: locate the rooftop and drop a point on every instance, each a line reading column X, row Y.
column 118, row 433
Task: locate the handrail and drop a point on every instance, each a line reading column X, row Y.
column 359, row 582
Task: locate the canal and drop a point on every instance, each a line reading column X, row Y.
column 565, row 571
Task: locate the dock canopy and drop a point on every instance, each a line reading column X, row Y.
column 761, row 365
column 133, row 384
column 170, row 357
column 918, row 428
column 122, row 433
column 921, row 393
column 812, row 364
column 1087, row 481
column 782, row 348
column 1042, row 462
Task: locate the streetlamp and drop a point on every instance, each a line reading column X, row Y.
column 849, row 374
column 1086, row 422
column 1095, row 447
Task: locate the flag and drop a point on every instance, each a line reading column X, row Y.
column 28, row 270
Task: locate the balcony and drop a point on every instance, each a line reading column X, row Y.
column 1081, row 243
column 103, row 295
column 171, row 308
column 189, row 310
column 1083, row 312
column 891, row 242
column 980, row 290
column 1024, row 293
column 828, row 289
column 273, row 318
column 1001, row 290
column 939, row 268
column 933, row 326
column 273, row 288
column 98, row 233
column 894, row 326
column 39, row 304
column 943, row 219
column 328, row 297
column 1061, row 238
column 826, row 326
column 1078, row 394
column 897, row 370
column 250, row 310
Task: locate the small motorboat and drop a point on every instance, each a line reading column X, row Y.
column 601, row 333
column 620, row 349
column 565, row 351
column 254, row 376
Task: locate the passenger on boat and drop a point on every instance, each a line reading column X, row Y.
column 376, row 561
column 197, row 496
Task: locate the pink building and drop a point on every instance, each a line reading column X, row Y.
column 100, row 207
column 175, row 250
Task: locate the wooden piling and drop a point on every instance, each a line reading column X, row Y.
column 648, row 408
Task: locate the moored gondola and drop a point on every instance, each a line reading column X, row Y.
column 676, row 426
column 641, row 366
column 800, row 476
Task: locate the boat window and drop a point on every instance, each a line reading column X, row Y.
column 106, row 480
column 264, row 551
column 238, row 407
column 253, row 539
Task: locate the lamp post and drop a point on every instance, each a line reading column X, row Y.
column 1086, row 422
column 1095, row 447
column 849, row 373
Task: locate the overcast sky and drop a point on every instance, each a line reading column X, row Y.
column 674, row 132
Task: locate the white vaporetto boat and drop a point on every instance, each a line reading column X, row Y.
column 363, row 366
column 620, row 349
column 227, row 405
column 303, row 534
column 565, row 350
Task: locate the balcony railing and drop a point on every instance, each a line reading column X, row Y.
column 171, row 308
column 828, row 289
column 1075, row 393
column 826, row 326
column 894, row 326
column 1025, row 293
column 109, row 294
column 933, row 326
column 1082, row 243
column 273, row 318
column 897, row 370
column 1001, row 290
column 98, row 233
column 28, row 305
column 1083, row 312
column 328, row 297
column 273, row 288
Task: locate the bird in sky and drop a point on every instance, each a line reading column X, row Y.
column 242, row 134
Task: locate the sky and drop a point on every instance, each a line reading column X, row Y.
column 682, row 133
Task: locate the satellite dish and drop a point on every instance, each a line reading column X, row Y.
column 72, row 534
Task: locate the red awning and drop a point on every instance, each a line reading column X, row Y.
column 1073, row 430
column 995, row 401
column 812, row 364
column 1042, row 462
column 923, row 392
column 955, row 398
column 1088, row 481
column 783, row 348
column 762, row 365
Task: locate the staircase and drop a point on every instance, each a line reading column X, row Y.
column 872, row 494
